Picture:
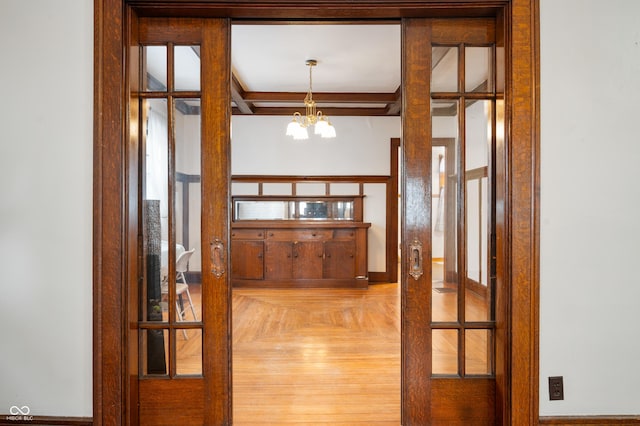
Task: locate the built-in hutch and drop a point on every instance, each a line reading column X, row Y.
column 299, row 241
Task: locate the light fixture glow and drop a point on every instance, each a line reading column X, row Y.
column 298, row 125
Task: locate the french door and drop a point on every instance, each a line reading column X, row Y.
column 452, row 122
column 453, row 101
column 184, row 313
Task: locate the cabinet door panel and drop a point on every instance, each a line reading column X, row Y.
column 278, row 261
column 307, row 259
column 339, row 261
column 247, row 260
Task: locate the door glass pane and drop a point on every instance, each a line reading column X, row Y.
column 444, row 211
column 444, row 62
column 188, row 352
column 155, row 213
column 155, row 352
column 154, row 78
column 187, row 124
column 187, row 68
column 478, row 134
column 445, row 351
column 478, row 64
column 478, row 352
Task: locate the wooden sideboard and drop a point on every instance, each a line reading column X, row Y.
column 299, row 253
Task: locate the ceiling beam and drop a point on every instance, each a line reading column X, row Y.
column 329, row 111
column 396, row 107
column 238, row 97
column 334, row 97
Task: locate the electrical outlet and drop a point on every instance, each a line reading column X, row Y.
column 556, row 388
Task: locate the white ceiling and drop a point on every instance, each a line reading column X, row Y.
column 351, row 58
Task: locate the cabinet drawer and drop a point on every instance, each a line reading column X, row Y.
column 247, row 234
column 299, row 234
column 344, row 234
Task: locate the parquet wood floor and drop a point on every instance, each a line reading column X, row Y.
column 316, row 356
column 326, row 356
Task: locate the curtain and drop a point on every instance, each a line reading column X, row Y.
column 157, row 158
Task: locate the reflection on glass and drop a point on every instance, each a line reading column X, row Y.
column 155, row 209
column 187, row 208
column 478, row 64
column 154, row 78
column 155, row 352
column 478, row 135
column 189, row 352
column 444, row 300
column 478, row 352
column 444, row 77
column 444, row 351
column 479, row 294
column 186, row 68
column 292, row 210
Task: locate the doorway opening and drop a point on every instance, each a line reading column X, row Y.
column 334, row 351
column 111, row 236
column 272, row 173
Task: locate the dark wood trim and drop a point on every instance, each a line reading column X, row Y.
column 216, row 214
column 589, row 420
column 8, row 419
column 238, row 95
column 185, row 180
column 501, row 288
column 521, row 220
column 319, row 178
column 416, row 352
column 323, row 10
column 333, row 97
column 134, row 180
column 109, row 302
column 517, row 236
column 391, row 254
column 329, row 111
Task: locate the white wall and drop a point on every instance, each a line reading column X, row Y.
column 46, row 101
column 590, row 205
column 362, row 147
column 260, row 146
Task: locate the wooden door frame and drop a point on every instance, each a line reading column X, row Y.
column 115, row 208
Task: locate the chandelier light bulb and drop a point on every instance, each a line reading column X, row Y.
column 299, row 123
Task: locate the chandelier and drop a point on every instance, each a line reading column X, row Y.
column 298, row 125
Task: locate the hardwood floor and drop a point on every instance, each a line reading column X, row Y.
column 327, row 356
column 316, row 356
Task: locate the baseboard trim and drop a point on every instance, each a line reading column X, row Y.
column 589, row 420
column 10, row 419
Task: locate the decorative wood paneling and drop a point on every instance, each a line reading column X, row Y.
column 216, row 174
column 589, row 420
column 184, row 406
column 109, row 240
column 466, row 404
column 391, row 216
column 10, row 419
column 416, row 213
column 522, row 209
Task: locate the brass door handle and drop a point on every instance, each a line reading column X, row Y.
column 415, row 259
column 217, row 258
